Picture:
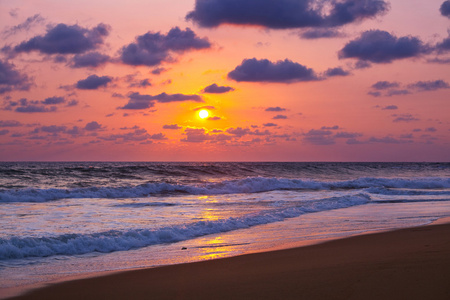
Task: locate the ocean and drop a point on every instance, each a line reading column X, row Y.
column 63, row 220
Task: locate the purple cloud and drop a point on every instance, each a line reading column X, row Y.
column 10, row 123
column 172, row 127
column 89, row 60
column 24, row 26
column 215, row 89
column 445, row 9
column 269, row 124
column 254, row 70
column 404, row 118
column 280, row 117
column 66, row 39
column 336, row 72
column 4, row 131
column 384, row 85
column 381, row 47
column 319, row 137
column 93, row 126
column 138, row 101
column 283, row 14
column 93, row 82
column 11, row 79
column 429, row 85
column 276, row 109
column 390, row 107
column 319, row 33
column 152, row 49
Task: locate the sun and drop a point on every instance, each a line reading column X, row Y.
column 203, row 114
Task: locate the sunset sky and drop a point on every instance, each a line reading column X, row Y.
column 282, row 80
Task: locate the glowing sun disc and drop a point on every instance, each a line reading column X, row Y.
column 203, row 114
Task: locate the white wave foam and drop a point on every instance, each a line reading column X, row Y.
column 104, row 242
column 247, row 185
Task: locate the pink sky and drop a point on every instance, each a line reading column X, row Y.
column 283, row 80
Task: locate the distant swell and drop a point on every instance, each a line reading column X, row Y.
column 247, row 185
column 105, row 242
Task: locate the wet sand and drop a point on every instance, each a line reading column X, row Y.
column 412, row 263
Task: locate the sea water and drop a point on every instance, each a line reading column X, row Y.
column 60, row 220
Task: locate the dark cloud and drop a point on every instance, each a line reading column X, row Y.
column 93, row 82
column 138, row 101
column 239, row 131
column 214, row 118
column 136, row 135
column 280, row 117
column 152, row 49
column 215, row 89
column 204, row 107
column 270, row 125
column 24, row 26
column 93, row 126
column 254, row 70
column 283, row 14
column 276, row 108
column 66, row 39
column 89, row 60
column 10, row 123
column 11, row 79
column 319, row 33
column 381, row 47
column 172, row 127
column 158, row 71
column 430, row 129
column 336, row 72
column 429, row 85
column 445, row 9
column 384, row 85
column 4, row 131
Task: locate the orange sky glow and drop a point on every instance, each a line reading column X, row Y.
column 306, row 80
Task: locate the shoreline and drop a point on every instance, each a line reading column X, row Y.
column 411, row 262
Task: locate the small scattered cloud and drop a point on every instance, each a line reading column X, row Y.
column 404, row 118
column 93, row 126
column 35, row 106
column 93, row 82
column 66, row 39
column 338, row 71
column 280, row 117
column 10, row 123
column 320, row 33
column 379, row 46
column 210, row 107
column 11, row 79
column 389, row 89
column 254, row 70
column 429, row 85
column 390, row 107
column 269, row 124
column 335, row 127
column 4, row 131
column 29, row 23
column 216, row 89
column 153, row 48
column 384, row 85
column 319, row 137
column 276, row 109
column 172, row 127
column 138, row 101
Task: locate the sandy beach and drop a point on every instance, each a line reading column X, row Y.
column 412, row 263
